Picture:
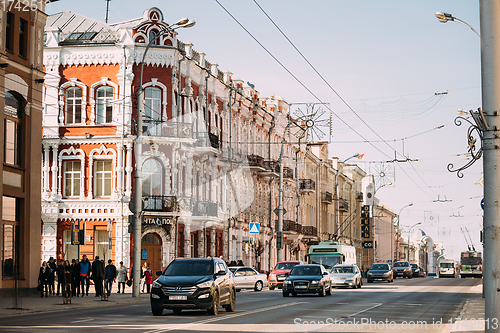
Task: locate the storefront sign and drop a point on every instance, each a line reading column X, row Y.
column 149, row 220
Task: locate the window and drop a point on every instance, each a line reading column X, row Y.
column 152, row 102
column 10, row 223
column 12, row 130
column 70, row 251
column 103, row 178
column 73, row 105
column 23, row 38
column 72, row 178
column 9, row 32
column 102, row 244
column 152, row 37
column 104, row 106
column 151, row 184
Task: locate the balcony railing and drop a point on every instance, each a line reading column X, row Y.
column 205, row 208
column 359, row 196
column 289, row 225
column 166, row 204
column 256, row 161
column 326, row 197
column 207, row 140
column 272, row 165
column 309, row 231
column 287, row 172
column 307, row 185
column 343, row 205
column 167, row 129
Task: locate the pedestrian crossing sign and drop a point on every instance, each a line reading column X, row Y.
column 254, row 227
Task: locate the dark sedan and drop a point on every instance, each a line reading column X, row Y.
column 312, row 279
column 415, row 270
column 380, row 271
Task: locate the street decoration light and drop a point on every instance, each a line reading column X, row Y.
column 397, row 230
column 182, row 23
column 409, row 233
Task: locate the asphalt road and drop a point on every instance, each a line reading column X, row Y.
column 415, row 305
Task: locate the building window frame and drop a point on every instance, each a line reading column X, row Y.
column 23, row 38
column 103, row 104
column 102, row 153
column 102, row 176
column 71, row 154
column 13, row 129
column 9, row 32
column 11, row 219
column 72, row 173
column 73, row 83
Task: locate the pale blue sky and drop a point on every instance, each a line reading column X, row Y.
column 381, row 52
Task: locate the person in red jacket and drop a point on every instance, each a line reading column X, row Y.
column 148, row 279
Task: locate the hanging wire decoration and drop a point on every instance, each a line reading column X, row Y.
column 474, row 139
column 321, row 119
column 384, row 174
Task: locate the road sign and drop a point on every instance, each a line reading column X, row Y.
column 389, row 262
column 482, row 203
column 277, row 211
column 254, row 227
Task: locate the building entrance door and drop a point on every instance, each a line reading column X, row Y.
column 151, row 252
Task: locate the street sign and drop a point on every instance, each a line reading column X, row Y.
column 389, row 262
column 368, row 245
column 254, row 228
column 277, row 211
column 482, row 203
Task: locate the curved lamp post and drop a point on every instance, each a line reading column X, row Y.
column 397, row 231
column 182, row 23
column 409, row 233
column 445, row 17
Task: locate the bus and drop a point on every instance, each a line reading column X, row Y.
column 331, row 253
column 471, row 264
column 448, row 268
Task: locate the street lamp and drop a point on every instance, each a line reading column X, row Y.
column 397, row 231
column 445, row 17
column 279, row 232
column 182, row 23
column 409, row 232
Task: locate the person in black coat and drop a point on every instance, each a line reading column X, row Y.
column 109, row 276
column 43, row 278
column 60, row 274
column 75, row 277
column 97, row 275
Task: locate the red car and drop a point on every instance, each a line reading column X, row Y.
column 278, row 274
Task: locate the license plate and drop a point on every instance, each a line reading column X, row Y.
column 281, row 279
column 178, row 298
column 300, row 287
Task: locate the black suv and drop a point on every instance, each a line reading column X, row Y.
column 194, row 284
column 402, row 268
column 415, row 270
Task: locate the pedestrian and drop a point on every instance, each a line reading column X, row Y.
column 75, row 277
column 51, row 281
column 240, row 263
column 98, row 275
column 109, row 276
column 143, row 277
column 43, row 278
column 122, row 277
column 147, row 279
column 60, row 273
column 65, row 280
column 85, row 274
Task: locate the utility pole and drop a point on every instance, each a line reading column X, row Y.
column 107, row 10
column 490, row 83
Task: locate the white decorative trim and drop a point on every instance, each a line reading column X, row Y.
column 155, row 83
column 73, row 82
column 93, row 88
column 156, row 154
column 96, row 154
column 72, row 154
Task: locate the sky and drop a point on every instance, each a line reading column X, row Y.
column 378, row 65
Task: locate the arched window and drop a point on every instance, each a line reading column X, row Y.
column 13, row 113
column 152, row 37
column 73, row 105
column 104, row 106
column 152, row 172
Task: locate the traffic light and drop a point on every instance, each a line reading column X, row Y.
column 279, row 240
column 75, row 234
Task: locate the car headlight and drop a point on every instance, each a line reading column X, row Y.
column 314, row 282
column 204, row 285
column 370, row 273
column 288, row 282
column 348, row 280
column 156, row 284
column 272, row 276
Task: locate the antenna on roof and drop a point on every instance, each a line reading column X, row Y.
column 107, row 10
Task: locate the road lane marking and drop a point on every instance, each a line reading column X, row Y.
column 81, row 321
column 182, row 326
column 354, row 314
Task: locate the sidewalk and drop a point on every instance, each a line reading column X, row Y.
column 472, row 314
column 37, row 304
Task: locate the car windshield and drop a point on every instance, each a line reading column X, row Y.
column 380, row 267
column 189, row 268
column 414, row 265
column 306, row 270
column 446, row 265
column 341, row 270
column 327, row 261
column 401, row 264
column 233, row 270
column 286, row 265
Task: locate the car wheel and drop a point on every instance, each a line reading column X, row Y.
column 232, row 302
column 329, row 291
column 157, row 312
column 177, row 311
column 359, row 284
column 271, row 287
column 294, row 294
column 286, row 293
column 214, row 310
column 322, row 293
column 258, row 286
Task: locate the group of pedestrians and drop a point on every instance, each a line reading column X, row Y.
column 74, row 279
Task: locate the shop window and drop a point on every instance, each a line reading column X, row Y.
column 103, row 178
column 73, row 105
column 10, row 229
column 104, row 105
column 12, row 129
column 72, row 178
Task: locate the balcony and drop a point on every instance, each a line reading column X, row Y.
column 287, row 172
column 307, row 186
column 343, row 205
column 205, row 208
column 310, row 231
column 168, row 129
column 272, row 169
column 359, row 196
column 165, row 204
column 289, row 225
column 206, row 143
column 256, row 163
column 326, row 197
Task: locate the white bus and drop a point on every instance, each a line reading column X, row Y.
column 331, row 253
column 448, row 268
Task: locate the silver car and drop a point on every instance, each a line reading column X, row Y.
column 346, row 276
column 248, row 278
